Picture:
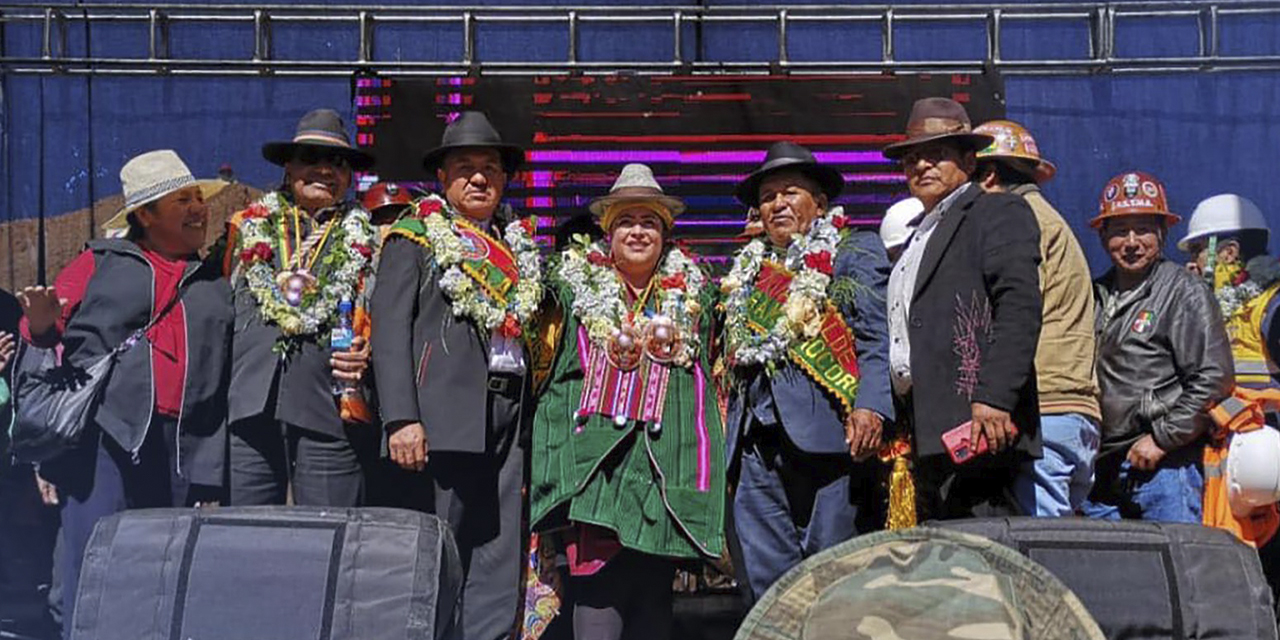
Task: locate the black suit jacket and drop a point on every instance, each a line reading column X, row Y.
column 975, row 319
column 430, row 366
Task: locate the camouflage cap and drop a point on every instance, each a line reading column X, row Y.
column 919, row 584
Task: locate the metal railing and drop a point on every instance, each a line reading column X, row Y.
column 1098, row 21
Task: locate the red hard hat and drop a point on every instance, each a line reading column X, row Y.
column 1134, row 193
column 384, row 194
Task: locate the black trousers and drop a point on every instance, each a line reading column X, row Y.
column 479, row 496
column 269, row 456
column 980, row 488
column 629, row 598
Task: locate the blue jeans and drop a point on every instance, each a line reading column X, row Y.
column 1058, row 483
column 1174, row 492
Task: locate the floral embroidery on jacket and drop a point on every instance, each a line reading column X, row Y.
column 972, row 328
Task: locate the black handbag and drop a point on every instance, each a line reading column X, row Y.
column 53, row 401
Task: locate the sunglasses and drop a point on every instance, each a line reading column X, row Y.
column 311, row 156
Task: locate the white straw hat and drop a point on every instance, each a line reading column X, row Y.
column 152, row 175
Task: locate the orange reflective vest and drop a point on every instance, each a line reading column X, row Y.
column 1244, row 411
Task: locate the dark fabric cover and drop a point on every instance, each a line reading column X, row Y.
column 1146, row 580
column 268, row 572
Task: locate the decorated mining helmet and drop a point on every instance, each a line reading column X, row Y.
column 1013, row 141
column 1133, row 193
column 1253, row 470
column 385, row 194
column 1225, row 213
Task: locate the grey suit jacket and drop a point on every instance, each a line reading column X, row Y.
column 430, row 366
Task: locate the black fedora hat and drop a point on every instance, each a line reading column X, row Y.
column 472, row 129
column 318, row 129
column 938, row 119
column 793, row 157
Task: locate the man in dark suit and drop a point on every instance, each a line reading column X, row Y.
column 288, row 433
column 804, row 413
column 454, row 391
column 964, row 317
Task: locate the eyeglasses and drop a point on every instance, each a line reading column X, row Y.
column 312, row 156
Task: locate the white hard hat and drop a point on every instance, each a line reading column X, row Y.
column 1224, row 213
column 1253, row 470
column 895, row 228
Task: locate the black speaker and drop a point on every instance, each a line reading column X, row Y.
column 269, row 573
column 1146, row 580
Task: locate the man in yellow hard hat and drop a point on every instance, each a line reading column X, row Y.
column 1057, row 483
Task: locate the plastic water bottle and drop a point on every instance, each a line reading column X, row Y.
column 340, row 339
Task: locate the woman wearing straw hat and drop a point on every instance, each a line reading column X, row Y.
column 628, row 449
column 294, row 257
column 168, row 452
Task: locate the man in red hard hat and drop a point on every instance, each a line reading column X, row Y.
column 1163, row 361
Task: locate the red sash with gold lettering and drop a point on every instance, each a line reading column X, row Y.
column 829, row 359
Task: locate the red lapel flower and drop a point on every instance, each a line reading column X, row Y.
column 364, row 249
column 510, row 327
column 820, row 261
column 839, row 221
column 673, row 282
column 1240, row 278
column 428, row 208
column 598, row 259
column 255, row 210
column 260, row 251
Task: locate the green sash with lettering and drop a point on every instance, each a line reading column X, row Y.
column 829, row 359
column 484, row 259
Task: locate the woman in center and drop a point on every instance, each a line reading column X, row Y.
column 628, row 448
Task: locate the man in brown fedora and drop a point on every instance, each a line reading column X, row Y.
column 964, row 316
column 458, row 281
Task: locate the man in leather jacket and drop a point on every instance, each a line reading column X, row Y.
column 1163, row 362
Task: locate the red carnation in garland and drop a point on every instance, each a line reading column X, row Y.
column 510, row 327
column 260, row 251
column 1240, row 278
column 364, row 249
column 673, row 282
column 839, row 222
column 599, row 259
column 428, row 208
column 530, row 225
column 820, row 261
column 255, row 210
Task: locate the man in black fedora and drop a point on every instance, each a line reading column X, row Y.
column 298, row 423
column 964, row 316
column 458, row 282
column 806, row 341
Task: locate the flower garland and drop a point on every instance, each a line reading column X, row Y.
column 467, row 299
column 261, row 228
column 588, row 271
column 810, row 257
column 1237, row 288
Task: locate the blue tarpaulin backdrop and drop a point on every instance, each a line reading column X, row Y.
column 1201, row 133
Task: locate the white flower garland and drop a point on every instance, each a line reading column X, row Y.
column 469, row 300
column 600, row 308
column 1232, row 297
column 348, row 262
column 810, row 257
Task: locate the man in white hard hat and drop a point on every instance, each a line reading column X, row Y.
column 898, row 224
column 1227, row 240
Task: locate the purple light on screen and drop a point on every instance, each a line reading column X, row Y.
column 541, row 179
column 541, row 202
column 690, row 157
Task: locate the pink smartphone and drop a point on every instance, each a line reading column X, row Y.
column 958, row 446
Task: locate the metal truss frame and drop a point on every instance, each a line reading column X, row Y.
column 1099, row 20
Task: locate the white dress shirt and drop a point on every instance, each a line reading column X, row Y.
column 902, row 285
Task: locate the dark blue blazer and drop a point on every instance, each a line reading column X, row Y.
column 810, row 414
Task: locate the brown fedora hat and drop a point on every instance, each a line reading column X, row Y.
column 938, row 119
